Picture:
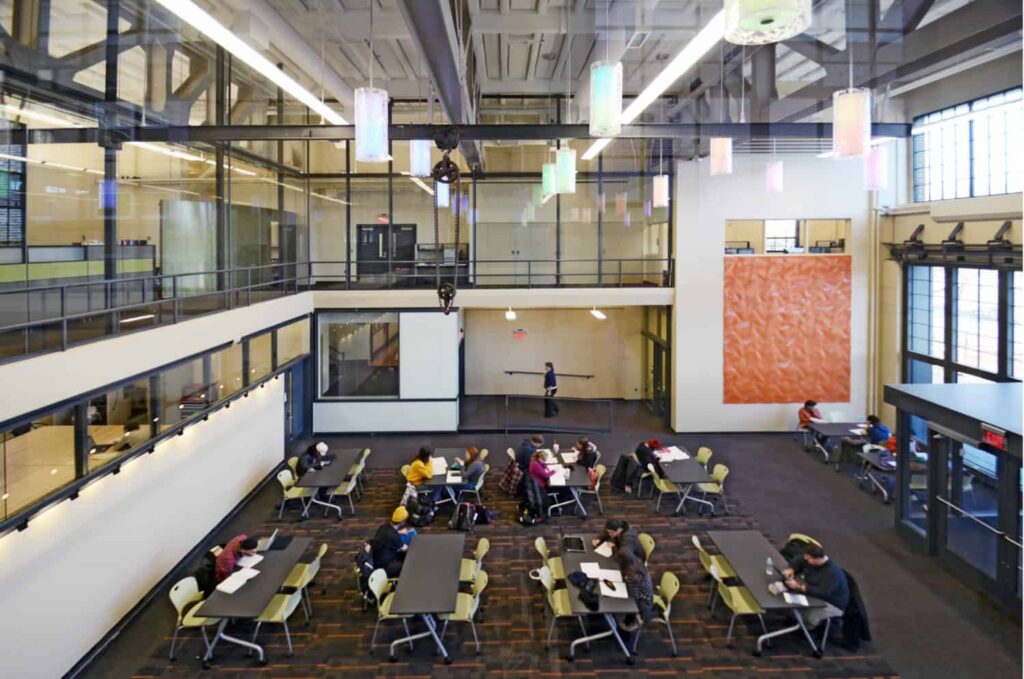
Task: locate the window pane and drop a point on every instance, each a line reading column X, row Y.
column 183, row 393
column 260, row 364
column 781, row 235
column 292, row 341
column 1016, row 330
column 926, row 312
column 977, row 318
column 38, row 457
column 359, row 355
column 226, row 371
column 119, row 421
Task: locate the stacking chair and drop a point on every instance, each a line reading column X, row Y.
column 740, row 601
column 552, row 563
column 479, row 487
column 559, row 603
column 718, row 563
column 358, row 470
column 646, row 474
column 466, row 606
column 647, row 544
column 470, row 567
column 278, row 611
column 293, row 464
column 703, row 456
column 483, row 454
column 183, row 593
column 511, row 453
column 406, row 468
column 667, row 590
column 715, row 488
column 600, row 469
column 291, row 492
column 663, row 486
column 800, row 537
column 302, row 575
column 346, row 489
column 380, row 587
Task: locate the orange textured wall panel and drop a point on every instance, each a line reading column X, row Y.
column 787, row 329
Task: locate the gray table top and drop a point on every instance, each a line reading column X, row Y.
column 449, row 454
column 333, row 474
column 746, row 551
column 429, row 582
column 685, row 472
column 885, row 463
column 251, row 598
column 832, row 429
column 572, row 560
column 578, row 477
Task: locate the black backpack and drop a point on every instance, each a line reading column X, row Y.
column 464, row 517
column 363, row 567
column 421, row 511
column 526, row 515
column 205, row 574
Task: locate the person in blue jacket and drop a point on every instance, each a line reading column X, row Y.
column 550, row 389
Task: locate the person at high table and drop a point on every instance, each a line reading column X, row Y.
column 227, row 560
column 538, row 470
column 816, row 575
column 876, row 433
column 550, row 389
column 616, row 533
column 421, row 470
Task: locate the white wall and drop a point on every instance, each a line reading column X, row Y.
column 385, row 416
column 572, row 339
column 82, row 565
column 814, row 189
column 428, row 355
column 41, row 381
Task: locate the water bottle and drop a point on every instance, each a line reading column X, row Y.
column 554, row 446
column 769, row 569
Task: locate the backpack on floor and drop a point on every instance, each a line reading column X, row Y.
column 527, row 515
column 464, row 517
column 484, row 515
column 624, row 472
column 363, row 567
column 421, row 510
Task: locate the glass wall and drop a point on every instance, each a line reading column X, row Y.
column 358, row 355
column 261, row 361
column 292, row 341
column 38, row 458
column 119, row 421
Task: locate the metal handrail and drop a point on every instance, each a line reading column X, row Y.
column 963, row 512
column 537, row 372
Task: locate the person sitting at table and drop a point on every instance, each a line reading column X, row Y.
column 527, row 447
column 227, row 560
column 391, row 542
column 312, row 458
column 645, row 456
column 422, row 470
column 538, row 470
column 816, row 575
column 639, row 587
column 586, row 451
column 472, row 468
column 876, row 434
column 809, row 413
column 616, row 532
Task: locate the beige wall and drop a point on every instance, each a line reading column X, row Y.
column 572, row 339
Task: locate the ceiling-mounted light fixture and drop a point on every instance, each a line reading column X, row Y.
column 851, row 122
column 598, row 314
column 721, row 156
column 759, row 22
column 443, row 194
column 419, row 158
column 773, row 177
column 565, row 163
column 510, row 315
column 549, row 179
column 876, row 168
column 192, row 14
column 372, row 116
column 605, row 98
column 659, row 185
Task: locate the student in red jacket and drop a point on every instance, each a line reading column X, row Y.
column 227, row 560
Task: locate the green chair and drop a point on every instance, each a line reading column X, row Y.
column 663, row 486
column 483, row 454
column 667, row 590
column 713, row 563
column 740, row 601
column 302, row 575
column 358, row 471
column 600, row 469
column 647, row 544
column 646, row 474
column 466, row 606
column 293, row 464
column 479, row 487
column 406, row 468
column 558, row 603
column 277, row 612
column 703, row 456
column 552, row 563
column 470, row 567
column 346, row 489
column 715, row 488
column 182, row 594
column 291, row 492
column 380, row 586
column 806, row 539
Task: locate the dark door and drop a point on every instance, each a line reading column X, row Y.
column 372, row 249
column 295, row 424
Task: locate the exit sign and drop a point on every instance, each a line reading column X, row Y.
column 993, row 436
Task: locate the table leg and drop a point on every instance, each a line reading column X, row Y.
column 686, row 496
column 612, row 632
column 822, row 448
column 574, row 500
column 431, row 632
column 579, row 503
column 789, row 630
column 327, row 505
column 231, row 640
column 879, row 486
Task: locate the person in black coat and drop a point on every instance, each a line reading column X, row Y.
column 645, row 456
column 527, row 447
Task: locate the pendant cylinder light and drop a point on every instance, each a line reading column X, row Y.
column 443, row 194
column 565, row 162
column 419, row 157
column 659, row 191
column 605, row 98
column 851, row 122
column 773, row 177
column 759, row 22
column 371, row 125
column 549, row 179
column 721, row 155
column 876, row 168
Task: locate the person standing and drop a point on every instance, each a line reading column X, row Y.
column 550, row 389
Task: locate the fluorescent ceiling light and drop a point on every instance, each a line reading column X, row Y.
column 42, row 117
column 47, row 163
column 192, row 14
column 708, row 37
column 418, row 182
column 137, row 318
column 598, row 314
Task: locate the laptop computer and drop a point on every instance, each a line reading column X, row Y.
column 265, row 543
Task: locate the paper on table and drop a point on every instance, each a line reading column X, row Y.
column 858, row 432
column 591, row 569
column 610, row 574
column 604, row 549
column 439, row 465
column 249, row 561
column 237, row 579
column 616, row 591
column 454, row 476
column 570, row 458
column 557, row 480
column 798, row 599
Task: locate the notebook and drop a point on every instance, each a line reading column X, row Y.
column 672, row 454
column 591, row 569
column 439, row 465
column 604, row 549
column 615, row 590
column 233, row 582
column 798, row 599
column 454, row 476
column 249, row 561
column 265, row 543
column 609, row 574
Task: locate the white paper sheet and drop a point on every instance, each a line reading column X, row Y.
column 610, row 574
column 858, row 432
column 557, row 480
column 233, row 582
column 454, row 477
column 798, row 599
column 672, row 454
column 616, row 591
column 591, row 569
column 604, row 549
column 250, row 561
column 570, row 458
column 439, row 465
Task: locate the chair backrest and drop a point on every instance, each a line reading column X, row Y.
column 719, row 473
column 293, row 464
column 479, row 582
column 703, row 455
column 705, row 558
column 314, row 566
column 286, row 479
column 715, row 572
column 542, row 547
column 511, row 453
column 483, row 454
column 600, row 469
column 483, row 545
column 377, row 581
column 480, row 479
column 366, row 454
column 647, row 543
column 406, row 468
column 668, row 588
column 294, row 599
column 800, row 537
column 725, row 593
column 354, row 478
column 547, row 580
column 184, row 592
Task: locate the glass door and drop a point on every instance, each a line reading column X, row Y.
column 970, row 508
column 656, row 386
